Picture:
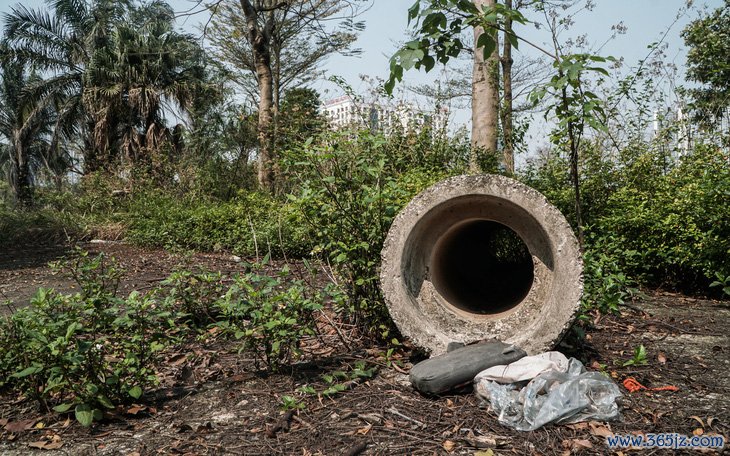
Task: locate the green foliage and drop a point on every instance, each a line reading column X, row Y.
column 657, row 220
column 271, row 315
column 708, row 39
column 352, row 187
column 673, row 228
column 251, row 224
column 90, row 350
column 439, row 30
column 195, row 294
column 340, row 381
column 605, row 285
column 723, row 281
column 291, row 403
column 36, row 226
column 639, row 358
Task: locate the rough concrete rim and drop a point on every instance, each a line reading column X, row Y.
column 424, row 316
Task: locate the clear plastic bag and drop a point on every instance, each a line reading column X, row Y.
column 553, row 397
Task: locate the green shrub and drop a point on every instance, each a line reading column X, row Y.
column 271, row 315
column 605, row 285
column 351, row 189
column 195, row 294
column 676, row 226
column 252, row 224
column 88, row 351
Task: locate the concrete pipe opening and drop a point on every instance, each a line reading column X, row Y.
column 481, row 257
column 482, row 267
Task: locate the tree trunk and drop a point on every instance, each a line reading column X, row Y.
column 485, row 97
column 260, row 39
column 508, row 153
column 20, row 182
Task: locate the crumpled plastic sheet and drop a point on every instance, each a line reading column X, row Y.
column 552, row 397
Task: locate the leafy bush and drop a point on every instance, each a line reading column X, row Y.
column 352, row 186
column 271, row 315
column 605, row 285
column 666, row 219
column 36, row 226
column 677, row 223
column 195, row 294
column 88, row 351
column 252, row 224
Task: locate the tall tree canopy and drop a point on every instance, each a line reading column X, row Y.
column 708, row 63
column 109, row 69
column 274, row 44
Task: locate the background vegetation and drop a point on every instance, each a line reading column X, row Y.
column 88, row 150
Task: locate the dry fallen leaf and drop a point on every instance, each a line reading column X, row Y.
column 698, row 431
column 449, row 403
column 489, row 452
column 662, row 358
column 710, row 420
column 579, row 444
column 46, row 445
column 135, row 409
column 600, row 429
column 20, row 426
column 449, row 445
column 698, row 419
column 365, row 430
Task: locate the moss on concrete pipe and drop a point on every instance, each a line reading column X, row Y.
column 481, row 257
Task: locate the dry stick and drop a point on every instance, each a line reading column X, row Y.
column 337, row 329
column 255, row 244
column 394, row 411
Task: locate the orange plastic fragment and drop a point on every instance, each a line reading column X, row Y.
column 633, row 385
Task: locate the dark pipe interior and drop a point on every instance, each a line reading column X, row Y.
column 482, row 267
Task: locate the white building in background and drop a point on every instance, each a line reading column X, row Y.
column 344, row 112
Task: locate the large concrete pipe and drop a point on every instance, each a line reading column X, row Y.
column 481, row 257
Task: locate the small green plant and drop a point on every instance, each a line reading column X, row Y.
column 722, row 281
column 639, row 358
column 85, row 352
column 291, row 403
column 196, row 294
column 271, row 315
column 605, row 286
column 340, row 381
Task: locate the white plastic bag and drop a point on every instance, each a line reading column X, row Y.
column 552, row 397
column 526, row 368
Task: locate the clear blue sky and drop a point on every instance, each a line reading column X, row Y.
column 386, row 22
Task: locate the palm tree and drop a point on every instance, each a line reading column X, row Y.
column 60, row 46
column 113, row 70
column 25, row 128
column 147, row 69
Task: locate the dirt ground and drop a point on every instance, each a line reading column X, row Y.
column 212, row 400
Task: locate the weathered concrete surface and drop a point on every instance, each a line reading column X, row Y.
column 423, row 258
column 458, row 368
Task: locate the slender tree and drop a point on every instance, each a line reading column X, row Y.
column 485, row 91
column 285, row 40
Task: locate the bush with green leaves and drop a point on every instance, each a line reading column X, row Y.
column 605, row 285
column 251, row 224
column 673, row 228
column 271, row 315
column 352, row 186
column 88, row 351
column 195, row 294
